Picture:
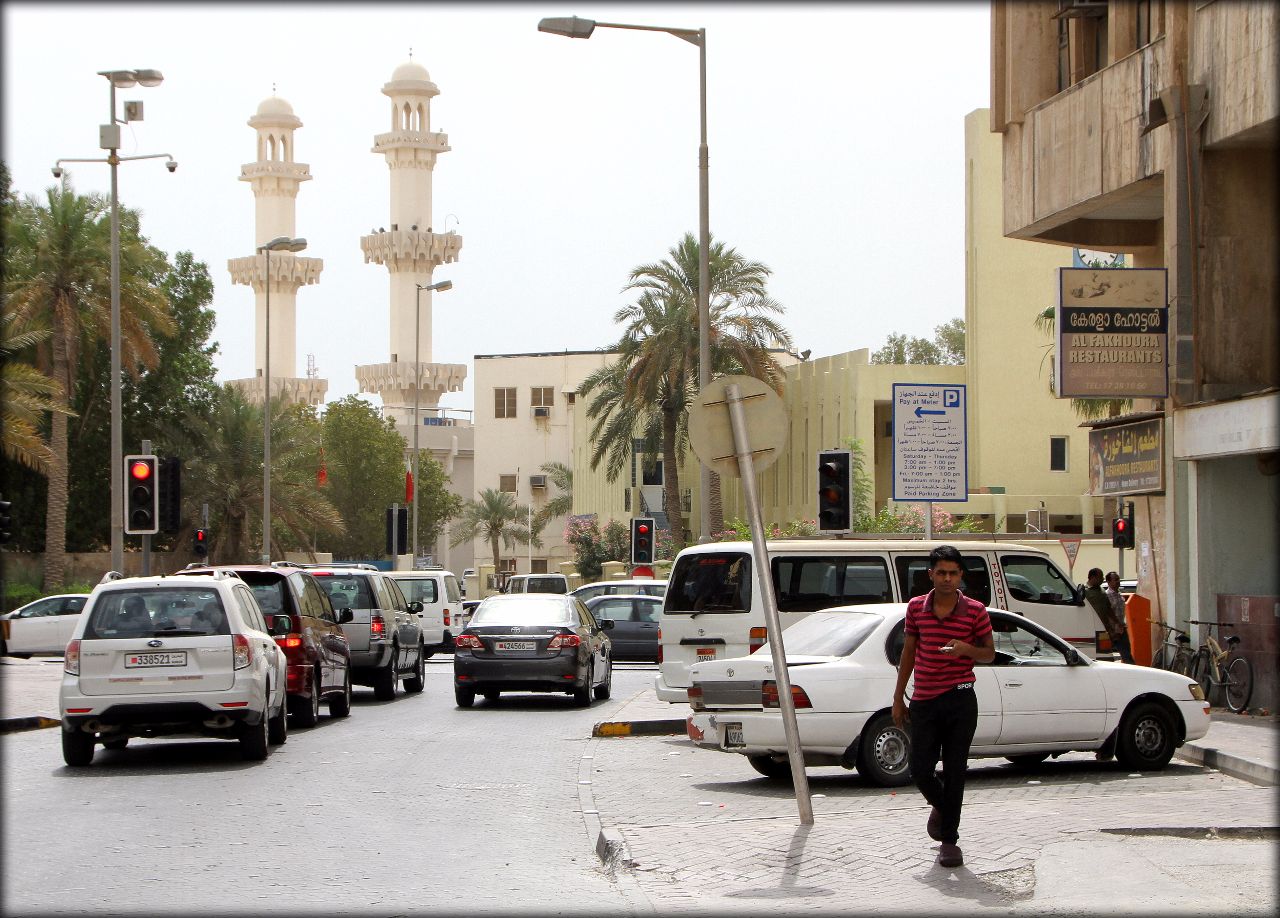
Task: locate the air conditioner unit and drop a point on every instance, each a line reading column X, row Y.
column 541, row 412
column 537, row 481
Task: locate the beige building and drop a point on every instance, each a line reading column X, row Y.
column 1152, row 127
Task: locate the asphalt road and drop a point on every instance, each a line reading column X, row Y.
column 410, row 805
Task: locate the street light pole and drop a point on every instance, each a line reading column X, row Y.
column 573, row 27
column 417, row 388
column 279, row 244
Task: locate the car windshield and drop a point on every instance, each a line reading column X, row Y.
column 418, row 589
column 828, row 634
column 156, row 612
column 346, row 591
column 525, row 612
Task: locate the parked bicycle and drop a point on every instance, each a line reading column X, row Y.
column 1174, row 652
column 1214, row 665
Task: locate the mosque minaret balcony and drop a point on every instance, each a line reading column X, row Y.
column 410, row 249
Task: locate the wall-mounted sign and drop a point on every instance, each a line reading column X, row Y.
column 1127, row 459
column 1113, row 331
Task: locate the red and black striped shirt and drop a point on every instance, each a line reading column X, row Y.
column 937, row 672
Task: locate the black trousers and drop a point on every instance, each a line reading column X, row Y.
column 942, row 728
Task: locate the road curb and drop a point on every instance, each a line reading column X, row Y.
column 639, row 728
column 1233, row 765
column 18, row 724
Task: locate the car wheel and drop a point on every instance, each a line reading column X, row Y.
column 118, row 742
column 605, row 688
column 770, row 767
column 254, row 741
column 582, row 694
column 884, row 753
column 77, row 747
column 340, row 705
column 307, row 710
column 465, row 697
column 418, row 681
column 384, row 683
column 278, row 726
column 492, row 695
column 1147, row 738
column 1028, row 759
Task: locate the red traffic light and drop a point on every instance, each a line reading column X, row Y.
column 642, row 529
column 140, row 471
column 1121, row 525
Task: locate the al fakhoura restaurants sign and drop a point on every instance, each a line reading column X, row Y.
column 1113, row 331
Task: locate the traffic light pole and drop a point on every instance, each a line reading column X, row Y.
column 1120, row 511
column 146, row 539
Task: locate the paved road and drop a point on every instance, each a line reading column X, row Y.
column 407, row 806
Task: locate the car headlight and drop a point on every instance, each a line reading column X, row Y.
column 1196, row 691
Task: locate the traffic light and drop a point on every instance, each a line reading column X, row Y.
column 200, row 542
column 141, row 496
column 6, row 521
column 170, row 491
column 835, row 487
column 1122, row 529
column 642, row 540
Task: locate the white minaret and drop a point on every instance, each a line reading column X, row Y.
column 411, row 251
column 275, row 178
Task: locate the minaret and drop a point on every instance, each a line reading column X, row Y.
column 411, row 251
column 275, row 177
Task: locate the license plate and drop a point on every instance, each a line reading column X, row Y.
column 514, row 645
column 733, row 735
column 706, row 653
column 171, row 658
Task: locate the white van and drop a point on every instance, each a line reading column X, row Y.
column 711, row 611
column 441, row 598
column 537, row 583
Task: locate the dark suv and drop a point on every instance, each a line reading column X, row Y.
column 315, row 648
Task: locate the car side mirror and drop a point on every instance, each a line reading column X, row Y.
column 606, row 624
column 345, row 615
column 415, row 607
column 281, row 624
column 1073, row 657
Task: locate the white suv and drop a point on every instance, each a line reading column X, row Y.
column 441, row 598
column 172, row 656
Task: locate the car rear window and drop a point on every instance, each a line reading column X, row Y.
column 148, row 612
column 710, row 582
column 807, row 584
column 526, row 612
column 418, row 589
column 546, row 585
column 828, row 634
column 269, row 590
column 346, row 591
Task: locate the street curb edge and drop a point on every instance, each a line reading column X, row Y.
column 639, row 728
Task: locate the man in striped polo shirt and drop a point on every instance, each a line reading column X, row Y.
column 946, row 633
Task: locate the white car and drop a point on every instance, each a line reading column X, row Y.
column 620, row 587
column 43, row 626
column 173, row 656
column 1039, row 697
column 441, row 598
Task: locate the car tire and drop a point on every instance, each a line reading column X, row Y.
column 384, row 683
column 307, row 710
column 1147, row 738
column 278, row 725
column 884, row 753
column 465, row 697
column 605, row 688
column 77, row 747
column 492, row 695
column 254, row 744
column 582, row 694
column 340, row 705
column 1028, row 759
column 115, row 743
column 418, row 681
column 770, row 767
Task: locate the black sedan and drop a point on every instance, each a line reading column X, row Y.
column 635, row 624
column 532, row 642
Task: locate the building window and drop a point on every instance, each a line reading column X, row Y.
column 1143, row 11
column 1064, row 54
column 1057, row 454
column 504, row 403
column 538, row 566
column 507, row 483
column 507, row 566
column 542, row 396
column 652, row 474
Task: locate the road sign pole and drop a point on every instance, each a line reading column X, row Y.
column 747, row 472
column 928, row 520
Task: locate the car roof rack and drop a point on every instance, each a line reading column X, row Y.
column 110, row 576
column 356, row 565
column 286, row 564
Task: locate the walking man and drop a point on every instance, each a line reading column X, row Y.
column 1118, row 626
column 946, row 633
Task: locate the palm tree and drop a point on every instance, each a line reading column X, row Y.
column 26, row 395
column 561, row 476
column 651, row 383
column 58, row 273
column 496, row 518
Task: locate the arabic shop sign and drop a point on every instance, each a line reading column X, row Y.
column 1127, row 459
column 1113, row 332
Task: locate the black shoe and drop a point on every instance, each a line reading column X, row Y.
column 934, row 825
column 950, row 856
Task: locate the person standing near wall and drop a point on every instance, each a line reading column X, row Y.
column 1118, row 626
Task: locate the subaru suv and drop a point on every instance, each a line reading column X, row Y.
column 172, row 656
column 315, row 647
column 383, row 631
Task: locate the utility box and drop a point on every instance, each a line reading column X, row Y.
column 109, row 136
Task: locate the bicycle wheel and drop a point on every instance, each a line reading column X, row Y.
column 1201, row 670
column 1239, row 685
column 1160, row 659
column 1181, row 662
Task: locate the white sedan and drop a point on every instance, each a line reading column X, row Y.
column 43, row 626
column 1039, row 698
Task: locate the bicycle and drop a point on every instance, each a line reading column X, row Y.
column 1174, row 655
column 1214, row 665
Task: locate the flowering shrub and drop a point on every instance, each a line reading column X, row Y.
column 740, row 530
column 592, row 547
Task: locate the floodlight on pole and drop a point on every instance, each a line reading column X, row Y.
column 417, row 388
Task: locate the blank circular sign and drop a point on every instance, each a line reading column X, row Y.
column 710, row 432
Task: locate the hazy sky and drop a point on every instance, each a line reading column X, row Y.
column 835, row 132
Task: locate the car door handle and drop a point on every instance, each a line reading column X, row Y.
column 1013, row 685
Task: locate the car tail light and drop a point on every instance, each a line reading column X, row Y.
column 561, row 641
column 289, row 641
column 695, row 698
column 467, row 642
column 446, row 618
column 242, row 651
column 377, row 626
column 769, row 696
column 71, row 658
column 756, row 639
column 659, row 660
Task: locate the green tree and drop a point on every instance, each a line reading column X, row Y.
column 27, row 395
column 437, row 505
column 365, row 459
column 497, row 519
column 946, row 348
column 561, row 477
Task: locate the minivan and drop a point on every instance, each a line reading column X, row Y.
column 537, row 583
column 712, row 612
